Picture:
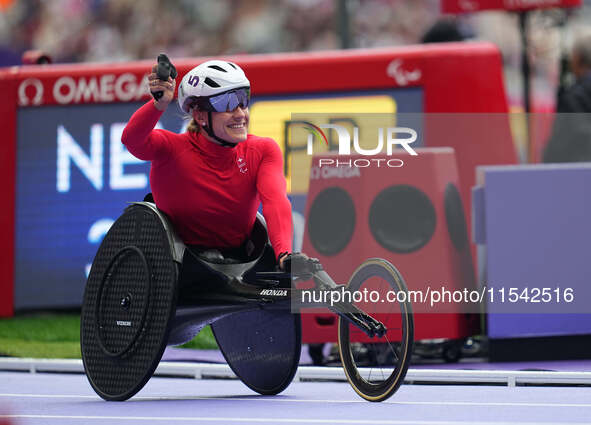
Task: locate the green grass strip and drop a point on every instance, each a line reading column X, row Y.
column 58, row 336
column 41, row 350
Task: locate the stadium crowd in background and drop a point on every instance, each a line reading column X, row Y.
column 571, row 136
column 125, row 30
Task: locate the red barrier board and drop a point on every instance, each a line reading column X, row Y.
column 468, row 6
column 7, row 176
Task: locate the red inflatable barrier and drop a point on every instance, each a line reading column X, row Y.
column 411, row 216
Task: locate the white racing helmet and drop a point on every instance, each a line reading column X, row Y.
column 209, row 79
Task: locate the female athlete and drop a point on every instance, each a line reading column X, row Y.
column 211, row 179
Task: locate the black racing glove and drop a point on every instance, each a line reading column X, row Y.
column 300, row 265
column 165, row 69
column 286, row 265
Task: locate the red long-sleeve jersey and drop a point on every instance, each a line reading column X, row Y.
column 211, row 193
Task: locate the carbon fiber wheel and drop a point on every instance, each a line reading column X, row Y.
column 129, row 301
column 376, row 367
column 262, row 347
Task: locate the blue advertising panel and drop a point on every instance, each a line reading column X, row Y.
column 74, row 178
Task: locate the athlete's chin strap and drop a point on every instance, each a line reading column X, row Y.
column 209, row 130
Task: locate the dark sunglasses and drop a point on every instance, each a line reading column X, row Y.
column 225, row 102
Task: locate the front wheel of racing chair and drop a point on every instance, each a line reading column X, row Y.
column 144, row 292
column 376, row 365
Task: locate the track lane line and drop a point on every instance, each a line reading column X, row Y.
column 282, row 400
column 285, row 420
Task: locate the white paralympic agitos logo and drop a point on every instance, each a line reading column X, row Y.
column 403, row 77
column 37, row 98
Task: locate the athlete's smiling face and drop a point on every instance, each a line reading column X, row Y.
column 229, row 126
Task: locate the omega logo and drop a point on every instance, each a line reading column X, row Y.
column 36, row 98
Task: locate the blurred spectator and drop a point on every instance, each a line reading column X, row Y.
column 571, row 135
column 578, row 97
column 444, row 30
column 124, row 30
column 8, row 57
column 5, row 4
column 35, row 57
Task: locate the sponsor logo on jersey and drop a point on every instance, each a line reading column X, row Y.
column 242, row 165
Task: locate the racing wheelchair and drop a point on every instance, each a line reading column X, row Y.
column 147, row 290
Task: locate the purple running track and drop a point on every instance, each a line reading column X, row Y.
column 43, row 398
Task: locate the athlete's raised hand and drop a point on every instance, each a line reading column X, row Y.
column 162, row 82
